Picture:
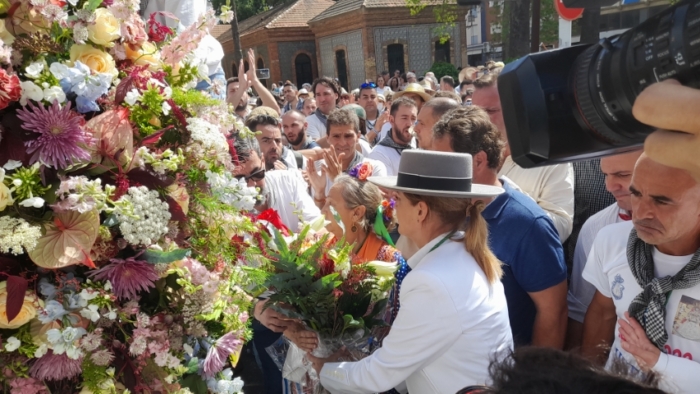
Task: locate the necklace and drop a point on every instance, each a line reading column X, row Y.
column 442, row 241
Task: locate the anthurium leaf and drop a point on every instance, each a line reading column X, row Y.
column 157, row 257
column 125, row 85
column 16, row 288
column 93, row 4
column 68, row 240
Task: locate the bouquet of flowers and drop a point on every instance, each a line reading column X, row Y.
column 317, row 281
column 117, row 206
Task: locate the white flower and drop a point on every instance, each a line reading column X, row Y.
column 166, row 108
column 188, row 349
column 226, row 16
column 34, row 70
column 41, row 351
column 12, row 164
column 30, row 91
column 80, row 33
column 232, row 191
column 12, row 344
column 88, row 295
column 54, row 93
column 149, row 221
column 17, row 236
column 207, row 134
column 36, row 202
column 73, row 2
column 111, row 314
column 108, row 286
column 167, row 92
column 132, row 97
column 65, row 341
column 91, row 313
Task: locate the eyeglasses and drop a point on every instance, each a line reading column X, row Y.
column 257, row 176
column 368, row 85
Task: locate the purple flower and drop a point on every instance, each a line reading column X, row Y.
column 217, row 354
column 355, row 170
column 62, row 140
column 128, row 277
column 55, row 367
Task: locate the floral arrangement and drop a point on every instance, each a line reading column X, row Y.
column 118, row 272
column 361, row 171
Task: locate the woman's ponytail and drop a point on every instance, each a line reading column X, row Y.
column 476, row 240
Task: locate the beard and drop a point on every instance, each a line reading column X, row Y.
column 400, row 135
column 299, row 139
column 241, row 107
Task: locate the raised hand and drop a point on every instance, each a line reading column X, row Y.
column 334, row 163
column 317, row 180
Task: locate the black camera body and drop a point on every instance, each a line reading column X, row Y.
column 576, row 103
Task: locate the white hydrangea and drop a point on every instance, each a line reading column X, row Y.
column 17, row 235
column 149, row 221
column 207, row 134
column 232, row 191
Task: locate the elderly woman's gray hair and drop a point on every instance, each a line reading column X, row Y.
column 356, row 193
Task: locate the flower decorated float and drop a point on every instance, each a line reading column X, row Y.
column 117, row 206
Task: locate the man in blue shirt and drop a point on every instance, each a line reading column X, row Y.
column 521, row 234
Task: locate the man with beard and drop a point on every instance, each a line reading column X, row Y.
column 294, row 126
column 646, row 308
column 237, row 89
column 430, row 114
column 268, row 128
column 286, row 193
column 388, row 151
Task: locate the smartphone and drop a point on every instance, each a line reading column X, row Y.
column 263, row 73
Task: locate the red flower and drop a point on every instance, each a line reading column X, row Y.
column 9, row 89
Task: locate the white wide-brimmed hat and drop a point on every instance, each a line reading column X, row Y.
column 441, row 174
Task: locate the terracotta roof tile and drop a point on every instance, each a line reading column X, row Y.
column 221, row 31
column 344, row 6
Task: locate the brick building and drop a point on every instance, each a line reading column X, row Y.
column 352, row 40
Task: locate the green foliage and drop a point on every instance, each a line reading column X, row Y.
column 247, row 8
column 440, row 69
column 445, row 15
column 318, row 284
column 158, row 257
column 549, row 24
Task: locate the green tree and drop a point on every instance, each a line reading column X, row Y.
column 549, row 23
column 445, row 13
column 247, row 8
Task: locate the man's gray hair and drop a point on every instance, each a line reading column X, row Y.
column 245, row 146
column 441, row 105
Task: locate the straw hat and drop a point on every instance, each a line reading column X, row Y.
column 413, row 88
column 440, row 174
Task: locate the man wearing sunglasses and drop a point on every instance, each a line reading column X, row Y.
column 283, row 191
column 368, row 101
column 268, row 128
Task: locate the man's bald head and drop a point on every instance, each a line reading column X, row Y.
column 666, row 207
column 294, row 127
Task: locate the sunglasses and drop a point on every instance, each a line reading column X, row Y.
column 257, row 176
column 368, row 85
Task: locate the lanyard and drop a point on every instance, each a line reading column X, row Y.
column 442, row 241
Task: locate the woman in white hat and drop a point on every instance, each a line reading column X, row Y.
column 453, row 318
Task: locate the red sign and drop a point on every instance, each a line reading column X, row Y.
column 568, row 14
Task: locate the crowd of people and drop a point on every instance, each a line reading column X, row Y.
column 599, row 258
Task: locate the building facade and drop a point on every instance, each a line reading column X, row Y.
column 351, row 40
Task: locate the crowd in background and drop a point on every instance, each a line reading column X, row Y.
column 578, row 273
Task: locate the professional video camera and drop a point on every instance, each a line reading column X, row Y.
column 576, row 103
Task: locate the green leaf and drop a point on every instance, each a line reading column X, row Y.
column 111, row 221
column 157, row 257
column 93, row 4
column 193, row 365
column 194, row 383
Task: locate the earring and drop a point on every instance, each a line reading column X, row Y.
column 353, row 228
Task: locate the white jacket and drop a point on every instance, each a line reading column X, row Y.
column 451, row 324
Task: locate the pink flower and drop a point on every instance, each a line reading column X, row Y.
column 55, row 367
column 128, row 277
column 219, row 352
column 102, row 357
column 133, row 30
column 9, row 88
column 27, row 386
column 62, row 140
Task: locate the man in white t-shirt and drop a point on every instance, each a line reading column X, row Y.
column 283, row 191
column 388, row 151
column 647, row 276
column 618, row 175
column 267, row 125
column 326, row 93
column 343, row 133
column 552, row 187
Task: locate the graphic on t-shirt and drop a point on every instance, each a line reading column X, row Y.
column 686, row 324
column 617, row 288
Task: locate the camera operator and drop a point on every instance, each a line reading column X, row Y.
column 670, row 106
column 552, row 187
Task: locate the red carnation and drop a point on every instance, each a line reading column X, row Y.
column 9, row 89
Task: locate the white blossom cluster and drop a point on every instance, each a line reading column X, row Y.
column 17, row 235
column 227, row 385
column 150, row 217
column 207, row 134
column 232, row 191
column 160, row 162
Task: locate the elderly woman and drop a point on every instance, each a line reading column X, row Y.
column 453, row 318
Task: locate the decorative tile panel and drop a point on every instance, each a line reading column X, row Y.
column 355, row 56
column 287, row 51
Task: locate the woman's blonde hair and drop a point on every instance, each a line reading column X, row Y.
column 356, row 193
column 454, row 212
